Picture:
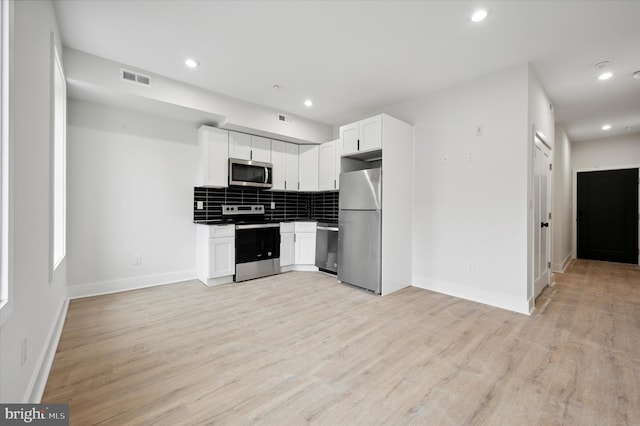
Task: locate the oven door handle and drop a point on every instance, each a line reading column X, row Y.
column 258, row 226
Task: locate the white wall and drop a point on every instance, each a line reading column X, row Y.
column 618, row 152
column 541, row 121
column 131, row 178
column 472, row 215
column 38, row 300
column 540, row 111
column 98, row 74
column 561, row 223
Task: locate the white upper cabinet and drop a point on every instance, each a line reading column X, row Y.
column 349, row 138
column 249, row 147
column 239, row 146
column 260, row 149
column 328, row 166
column 213, row 155
column 363, row 136
column 308, row 168
column 291, row 167
column 370, row 133
column 284, row 157
column 278, row 161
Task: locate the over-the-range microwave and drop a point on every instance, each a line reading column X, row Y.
column 250, row 173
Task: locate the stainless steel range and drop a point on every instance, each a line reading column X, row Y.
column 257, row 242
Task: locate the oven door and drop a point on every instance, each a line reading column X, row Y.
column 250, row 173
column 257, row 251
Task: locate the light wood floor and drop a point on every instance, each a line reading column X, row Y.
column 299, row 348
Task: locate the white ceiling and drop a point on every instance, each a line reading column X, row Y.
column 354, row 58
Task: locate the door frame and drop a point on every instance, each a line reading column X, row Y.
column 574, row 207
column 534, row 226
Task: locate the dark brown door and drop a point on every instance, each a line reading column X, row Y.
column 608, row 215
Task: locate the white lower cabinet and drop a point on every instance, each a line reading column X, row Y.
column 287, row 248
column 298, row 246
column 215, row 254
column 305, row 243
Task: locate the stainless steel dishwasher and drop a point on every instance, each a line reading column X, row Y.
column 327, row 247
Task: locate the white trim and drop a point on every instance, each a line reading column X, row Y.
column 212, row 282
column 539, row 143
column 299, row 268
column 491, row 298
column 38, row 381
column 561, row 267
column 57, row 145
column 6, row 168
column 115, row 286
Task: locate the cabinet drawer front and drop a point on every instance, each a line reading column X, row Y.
column 222, row 231
column 305, row 227
column 286, row 227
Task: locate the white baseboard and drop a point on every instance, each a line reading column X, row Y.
column 499, row 300
column 212, row 282
column 45, row 360
column 115, row 286
column 300, row 268
column 561, row 267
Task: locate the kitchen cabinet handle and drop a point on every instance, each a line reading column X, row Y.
column 544, row 225
column 251, row 155
column 358, row 148
column 334, row 184
column 285, row 184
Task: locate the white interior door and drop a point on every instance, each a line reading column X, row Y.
column 542, row 213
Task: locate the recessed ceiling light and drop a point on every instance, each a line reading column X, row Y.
column 308, row 103
column 479, row 15
column 606, row 127
column 276, row 86
column 605, row 75
column 602, row 64
column 192, row 63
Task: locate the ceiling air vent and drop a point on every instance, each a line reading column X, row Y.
column 284, row 118
column 134, row 77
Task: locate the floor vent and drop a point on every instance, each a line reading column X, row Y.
column 134, row 77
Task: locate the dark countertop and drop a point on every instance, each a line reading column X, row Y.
column 232, row 221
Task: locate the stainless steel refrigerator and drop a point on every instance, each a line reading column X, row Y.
column 360, row 229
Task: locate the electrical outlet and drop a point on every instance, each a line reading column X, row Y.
column 471, row 268
column 273, row 205
column 200, row 205
column 23, row 352
column 137, row 259
column 469, row 156
column 479, row 131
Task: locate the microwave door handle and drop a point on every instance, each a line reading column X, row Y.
column 266, row 175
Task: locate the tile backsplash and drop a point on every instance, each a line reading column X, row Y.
column 321, row 206
column 324, row 206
